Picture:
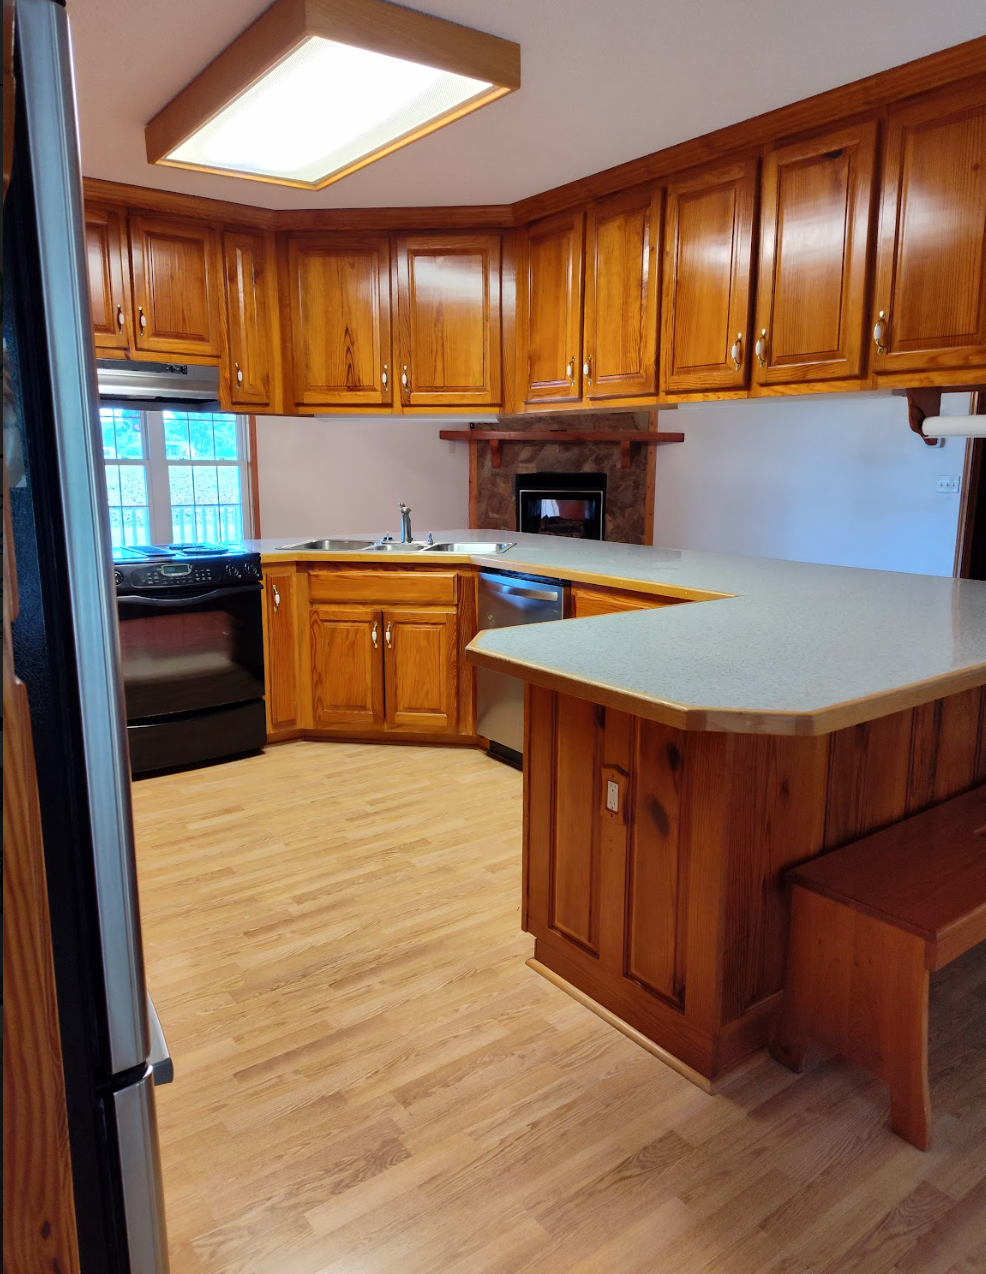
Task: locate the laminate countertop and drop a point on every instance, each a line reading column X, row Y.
column 769, row 646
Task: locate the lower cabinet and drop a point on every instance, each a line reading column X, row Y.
column 346, row 667
column 281, row 649
column 421, row 670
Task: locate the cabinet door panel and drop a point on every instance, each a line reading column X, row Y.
column 250, row 341
column 282, row 649
column 815, row 231
column 347, row 667
column 707, row 278
column 340, row 320
column 449, row 319
column 575, row 866
column 108, row 265
column 931, row 260
column 421, row 665
column 552, row 309
column 621, row 291
column 175, row 278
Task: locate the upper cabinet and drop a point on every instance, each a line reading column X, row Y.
column 622, row 251
column 929, row 303
column 248, row 306
column 108, row 264
column 550, row 310
column 175, row 265
column 811, row 294
column 707, row 279
column 340, row 320
column 449, row 320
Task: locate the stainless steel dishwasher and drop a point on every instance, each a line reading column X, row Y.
column 506, row 600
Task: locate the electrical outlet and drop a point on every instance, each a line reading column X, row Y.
column 613, row 797
column 948, row 486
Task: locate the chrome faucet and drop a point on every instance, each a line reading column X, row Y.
column 406, row 535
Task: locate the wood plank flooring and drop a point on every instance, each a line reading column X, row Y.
column 368, row 1079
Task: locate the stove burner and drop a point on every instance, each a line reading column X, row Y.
column 198, row 550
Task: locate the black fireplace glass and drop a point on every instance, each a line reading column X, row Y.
column 570, row 504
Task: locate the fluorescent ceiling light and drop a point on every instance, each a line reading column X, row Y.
column 315, row 90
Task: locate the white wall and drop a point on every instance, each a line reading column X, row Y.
column 839, row 479
column 326, row 475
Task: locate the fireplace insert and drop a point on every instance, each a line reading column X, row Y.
column 572, row 504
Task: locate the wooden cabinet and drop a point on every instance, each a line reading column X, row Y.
column 815, row 221
column 550, row 310
column 176, row 289
column 340, row 320
column 609, row 601
column 421, row 683
column 707, row 279
column 619, row 356
column 929, row 302
column 347, row 667
column 449, row 320
column 281, row 649
column 108, row 265
column 248, row 305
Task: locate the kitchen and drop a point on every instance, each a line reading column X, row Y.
column 425, row 1010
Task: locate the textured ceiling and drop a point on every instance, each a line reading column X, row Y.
column 603, row 81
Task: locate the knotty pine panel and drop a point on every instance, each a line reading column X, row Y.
column 539, row 803
column 868, row 774
column 944, row 741
column 575, row 864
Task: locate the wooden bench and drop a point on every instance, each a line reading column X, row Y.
column 869, row 923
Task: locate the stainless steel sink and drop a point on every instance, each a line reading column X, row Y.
column 329, row 546
column 392, row 546
column 470, row 546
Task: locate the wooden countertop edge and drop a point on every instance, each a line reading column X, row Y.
column 698, row 718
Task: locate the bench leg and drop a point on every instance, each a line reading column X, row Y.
column 859, row 986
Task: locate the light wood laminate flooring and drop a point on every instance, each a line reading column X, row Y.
column 368, row 1078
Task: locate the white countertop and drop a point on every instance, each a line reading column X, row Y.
column 786, row 648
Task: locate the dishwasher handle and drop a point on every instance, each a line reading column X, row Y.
column 536, row 594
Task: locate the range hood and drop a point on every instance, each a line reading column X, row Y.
column 157, row 386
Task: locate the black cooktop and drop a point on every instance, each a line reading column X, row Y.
column 174, row 552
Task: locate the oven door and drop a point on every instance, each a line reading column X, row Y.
column 191, row 652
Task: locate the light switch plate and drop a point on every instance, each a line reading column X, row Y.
column 948, row 485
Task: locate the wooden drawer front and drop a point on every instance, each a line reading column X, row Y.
column 591, row 601
column 385, row 588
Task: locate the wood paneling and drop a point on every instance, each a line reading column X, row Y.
column 931, row 258
column 944, row 738
column 281, row 664
column 251, row 341
column 622, row 253
column 449, row 320
column 108, row 267
column 347, row 666
column 707, row 278
column 574, row 865
column 340, row 320
column 815, row 219
column 868, row 777
column 175, row 267
column 421, row 662
column 550, row 312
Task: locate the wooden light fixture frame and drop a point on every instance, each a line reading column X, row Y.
column 366, row 24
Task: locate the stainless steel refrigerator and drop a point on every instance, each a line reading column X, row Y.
column 66, row 650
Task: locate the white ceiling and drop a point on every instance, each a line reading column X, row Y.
column 602, row 81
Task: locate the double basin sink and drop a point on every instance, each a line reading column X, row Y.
column 392, row 546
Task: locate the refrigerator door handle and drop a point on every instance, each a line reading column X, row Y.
column 159, row 1057
column 143, row 1195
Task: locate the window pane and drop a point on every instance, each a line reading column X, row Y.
column 180, row 484
column 126, row 490
column 229, row 484
column 175, row 435
column 113, row 484
column 133, row 485
column 123, row 433
column 226, row 439
column 200, row 431
column 206, row 485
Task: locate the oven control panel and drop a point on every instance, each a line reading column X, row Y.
column 224, row 573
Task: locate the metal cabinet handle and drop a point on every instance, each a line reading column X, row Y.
column 387, row 636
column 143, row 319
column 119, row 318
column 760, row 349
column 405, row 379
column 570, row 369
column 374, row 631
column 736, row 352
column 587, row 369
column 276, row 596
column 880, row 332
column 239, row 373
column 384, row 377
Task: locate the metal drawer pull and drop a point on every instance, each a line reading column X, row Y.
column 143, row 319
column 119, row 318
column 760, row 349
column 374, row 631
column 587, row 369
column 276, row 595
column 387, row 635
column 385, row 377
column 880, row 332
column 239, row 373
column 736, row 353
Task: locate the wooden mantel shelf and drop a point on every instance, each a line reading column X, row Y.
column 626, row 438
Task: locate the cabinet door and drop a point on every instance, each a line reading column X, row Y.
column 282, row 649
column 449, row 320
column 176, row 292
column 707, row 279
column 421, row 660
column 815, row 223
column 621, row 291
column 347, row 667
column 250, row 343
column 931, row 256
column 108, row 266
column 552, row 309
column 340, row 320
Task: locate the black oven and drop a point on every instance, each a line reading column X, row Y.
column 192, row 655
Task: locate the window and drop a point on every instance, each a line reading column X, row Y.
column 176, row 477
